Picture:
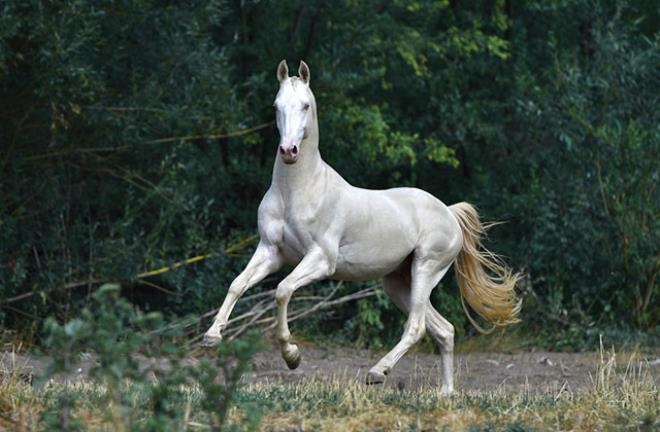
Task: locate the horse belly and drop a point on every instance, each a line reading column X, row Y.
column 371, row 259
column 361, row 271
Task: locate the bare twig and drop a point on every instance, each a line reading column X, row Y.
column 156, row 287
column 173, row 266
column 255, row 315
column 96, row 150
column 64, row 287
column 237, row 133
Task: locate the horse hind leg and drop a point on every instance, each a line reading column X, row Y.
column 397, row 287
column 442, row 332
column 425, row 275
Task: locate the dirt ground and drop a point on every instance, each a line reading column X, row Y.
column 533, row 372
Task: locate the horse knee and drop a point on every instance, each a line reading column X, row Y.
column 448, row 332
column 420, row 330
column 448, row 339
column 443, row 334
column 415, row 331
column 283, row 293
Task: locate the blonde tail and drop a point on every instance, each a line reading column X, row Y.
column 484, row 281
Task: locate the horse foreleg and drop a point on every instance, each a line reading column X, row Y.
column 266, row 260
column 313, row 267
column 425, row 276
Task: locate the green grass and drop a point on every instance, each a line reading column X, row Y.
column 622, row 397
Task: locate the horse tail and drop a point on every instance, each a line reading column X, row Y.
column 483, row 279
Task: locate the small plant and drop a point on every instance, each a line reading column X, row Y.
column 147, row 381
column 219, row 380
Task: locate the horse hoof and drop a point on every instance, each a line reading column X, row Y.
column 292, row 357
column 211, row 341
column 375, row 378
column 446, row 391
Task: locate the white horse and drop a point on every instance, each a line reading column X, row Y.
column 313, row 219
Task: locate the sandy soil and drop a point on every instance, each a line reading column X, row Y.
column 534, row 372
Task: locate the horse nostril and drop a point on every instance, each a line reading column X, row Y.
column 281, row 150
column 294, row 150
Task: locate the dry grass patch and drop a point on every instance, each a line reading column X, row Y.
column 622, row 397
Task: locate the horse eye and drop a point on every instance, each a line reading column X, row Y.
column 305, row 107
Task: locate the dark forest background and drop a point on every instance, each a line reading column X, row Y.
column 138, row 134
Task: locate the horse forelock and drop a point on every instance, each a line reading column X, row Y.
column 295, row 82
column 295, row 85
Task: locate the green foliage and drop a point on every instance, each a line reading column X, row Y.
column 138, row 134
column 102, row 329
column 589, row 196
column 58, row 416
column 447, row 301
column 101, row 102
column 147, row 377
column 376, row 321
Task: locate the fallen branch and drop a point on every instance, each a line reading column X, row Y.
column 140, row 277
column 64, row 287
column 254, row 316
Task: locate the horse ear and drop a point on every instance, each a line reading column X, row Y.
column 303, row 72
column 282, row 71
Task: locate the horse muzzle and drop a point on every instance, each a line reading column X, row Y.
column 289, row 153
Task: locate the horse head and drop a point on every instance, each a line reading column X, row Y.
column 295, row 111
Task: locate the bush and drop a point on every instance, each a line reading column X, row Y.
column 146, row 375
column 588, row 200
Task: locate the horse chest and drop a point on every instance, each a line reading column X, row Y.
column 300, row 230
column 295, row 231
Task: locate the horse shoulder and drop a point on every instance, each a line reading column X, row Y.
column 270, row 218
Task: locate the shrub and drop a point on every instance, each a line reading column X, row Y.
column 147, row 377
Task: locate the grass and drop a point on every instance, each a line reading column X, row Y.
column 624, row 399
column 621, row 397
